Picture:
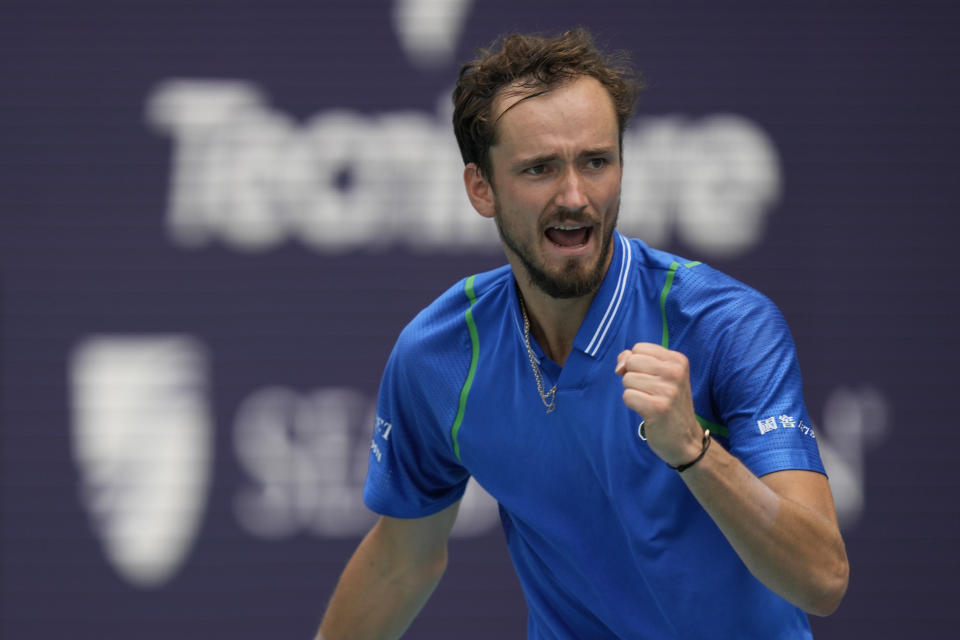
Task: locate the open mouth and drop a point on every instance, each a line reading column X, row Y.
column 569, row 236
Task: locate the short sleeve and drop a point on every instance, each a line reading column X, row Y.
column 759, row 391
column 413, row 472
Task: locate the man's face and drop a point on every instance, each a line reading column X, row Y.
column 556, row 184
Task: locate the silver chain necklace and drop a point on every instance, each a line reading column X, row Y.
column 550, row 397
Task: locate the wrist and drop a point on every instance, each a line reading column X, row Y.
column 694, row 459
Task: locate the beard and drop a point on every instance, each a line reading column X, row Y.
column 573, row 279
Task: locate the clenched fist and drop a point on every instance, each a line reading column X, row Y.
column 656, row 385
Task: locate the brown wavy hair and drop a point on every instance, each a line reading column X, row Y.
column 536, row 64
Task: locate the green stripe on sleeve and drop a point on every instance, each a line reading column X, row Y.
column 465, row 391
column 715, row 429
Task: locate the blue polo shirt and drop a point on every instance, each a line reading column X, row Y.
column 607, row 540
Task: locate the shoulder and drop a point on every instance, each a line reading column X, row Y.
column 431, row 359
column 442, row 330
column 700, row 307
column 694, row 287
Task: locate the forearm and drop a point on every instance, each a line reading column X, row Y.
column 379, row 593
column 783, row 527
column 795, row 551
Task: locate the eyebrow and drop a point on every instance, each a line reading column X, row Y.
column 533, row 161
column 598, row 151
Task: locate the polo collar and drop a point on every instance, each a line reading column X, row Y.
column 605, row 309
column 608, row 303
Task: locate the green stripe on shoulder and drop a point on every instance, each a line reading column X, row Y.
column 475, row 356
column 716, row 429
column 665, row 335
column 671, row 274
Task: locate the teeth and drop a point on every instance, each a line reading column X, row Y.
column 567, row 228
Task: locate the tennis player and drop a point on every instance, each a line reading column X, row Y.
column 638, row 416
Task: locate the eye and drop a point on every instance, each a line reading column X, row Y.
column 597, row 163
column 536, row 170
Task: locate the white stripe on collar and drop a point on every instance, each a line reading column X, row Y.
column 615, row 300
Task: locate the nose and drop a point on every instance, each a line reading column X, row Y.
column 571, row 194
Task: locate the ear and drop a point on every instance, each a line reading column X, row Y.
column 479, row 190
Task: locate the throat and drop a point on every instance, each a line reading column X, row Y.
column 552, row 322
column 559, row 354
column 557, row 344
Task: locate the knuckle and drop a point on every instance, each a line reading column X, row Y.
column 678, row 370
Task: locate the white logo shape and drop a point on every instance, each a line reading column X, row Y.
column 429, row 30
column 641, row 431
column 142, row 442
column 855, row 420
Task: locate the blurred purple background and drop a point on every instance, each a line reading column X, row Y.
column 216, row 216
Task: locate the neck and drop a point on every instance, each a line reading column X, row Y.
column 554, row 322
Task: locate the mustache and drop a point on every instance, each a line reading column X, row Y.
column 566, row 215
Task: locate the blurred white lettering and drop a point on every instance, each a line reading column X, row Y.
column 247, row 175
column 716, row 179
column 306, row 456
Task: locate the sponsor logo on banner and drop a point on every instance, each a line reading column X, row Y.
column 247, row 175
column 305, row 457
column 429, row 31
column 142, row 441
column 855, row 419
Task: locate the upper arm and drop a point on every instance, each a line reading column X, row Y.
column 413, row 470
column 807, row 488
column 757, row 391
column 417, row 540
column 397, row 566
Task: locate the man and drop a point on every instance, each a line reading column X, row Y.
column 583, row 385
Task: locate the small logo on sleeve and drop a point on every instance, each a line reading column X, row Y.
column 772, row 423
column 381, row 430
